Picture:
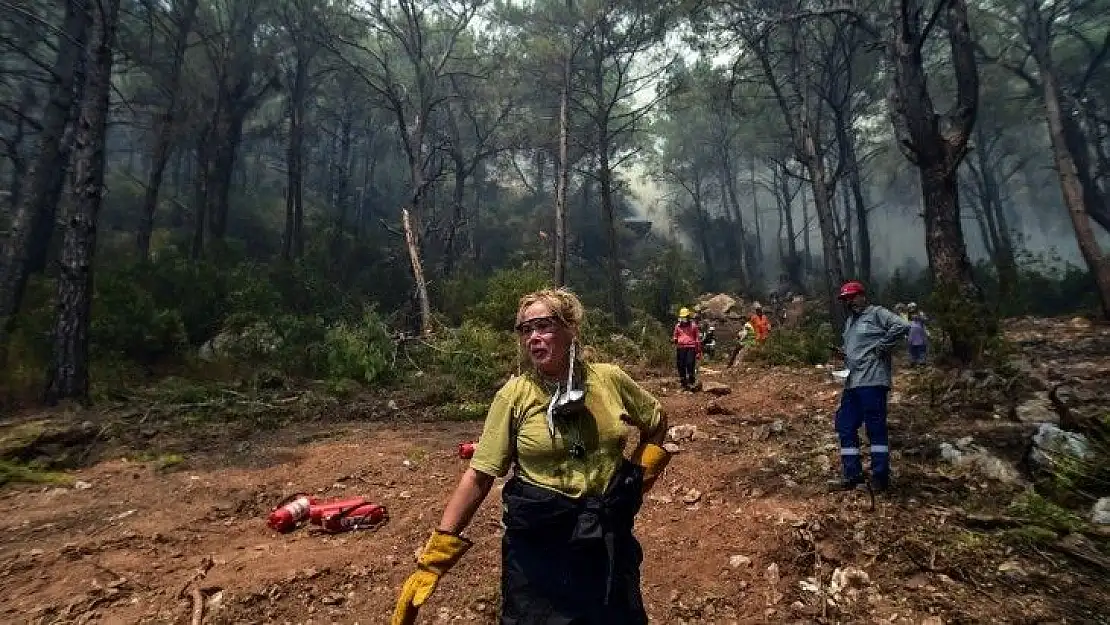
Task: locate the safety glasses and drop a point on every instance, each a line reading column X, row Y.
column 543, row 325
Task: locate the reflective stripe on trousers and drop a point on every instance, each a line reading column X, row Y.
column 866, row 406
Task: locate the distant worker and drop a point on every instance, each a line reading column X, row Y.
column 919, row 335
column 687, row 342
column 708, row 339
column 900, row 309
column 761, row 323
column 706, row 332
column 744, row 340
column 870, row 334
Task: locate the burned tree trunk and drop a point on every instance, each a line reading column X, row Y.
column 68, row 376
column 936, row 144
column 38, row 202
column 163, row 137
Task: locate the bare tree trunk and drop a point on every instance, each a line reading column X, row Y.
column 563, row 175
column 1070, row 184
column 346, row 157
column 741, row 235
column 418, row 275
column 757, row 268
column 15, row 149
column 994, row 216
column 616, row 278
column 792, row 263
column 855, row 184
column 49, row 162
column 200, row 192
column 985, row 234
column 227, row 135
column 703, row 231
column 807, row 260
column 1094, row 200
column 68, row 376
column 458, row 214
column 164, row 129
column 293, row 243
column 822, row 200
column 849, row 242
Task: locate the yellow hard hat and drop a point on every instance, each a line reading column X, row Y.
column 683, row 312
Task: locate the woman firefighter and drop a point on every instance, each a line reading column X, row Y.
column 568, row 552
column 687, row 340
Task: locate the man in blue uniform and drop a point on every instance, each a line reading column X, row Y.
column 870, row 334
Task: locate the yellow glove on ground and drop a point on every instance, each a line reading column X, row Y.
column 440, row 554
column 653, row 459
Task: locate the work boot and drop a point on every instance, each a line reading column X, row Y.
column 848, row 483
column 880, row 483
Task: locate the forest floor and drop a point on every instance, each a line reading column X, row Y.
column 742, row 528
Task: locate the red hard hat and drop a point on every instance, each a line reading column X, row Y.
column 851, row 289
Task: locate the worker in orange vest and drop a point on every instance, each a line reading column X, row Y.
column 761, row 323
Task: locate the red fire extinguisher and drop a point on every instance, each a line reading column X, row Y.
column 323, row 509
column 360, row 517
column 466, row 450
column 290, row 512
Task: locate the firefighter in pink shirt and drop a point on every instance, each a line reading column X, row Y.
column 687, row 341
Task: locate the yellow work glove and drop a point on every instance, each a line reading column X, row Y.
column 653, row 459
column 440, row 554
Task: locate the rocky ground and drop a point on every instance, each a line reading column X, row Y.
column 741, row 529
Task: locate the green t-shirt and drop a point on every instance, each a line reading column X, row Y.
column 516, row 433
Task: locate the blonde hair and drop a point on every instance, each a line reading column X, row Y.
column 563, row 304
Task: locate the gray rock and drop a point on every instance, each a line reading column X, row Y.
column 738, row 561
column 1100, row 514
column 684, row 432
column 716, row 388
column 980, row 461
column 1050, row 444
column 1037, row 410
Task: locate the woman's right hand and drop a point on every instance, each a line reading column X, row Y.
column 441, row 553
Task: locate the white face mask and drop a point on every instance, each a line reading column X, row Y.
column 564, row 402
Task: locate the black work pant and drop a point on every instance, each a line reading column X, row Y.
column 572, row 562
column 545, row 582
column 687, row 365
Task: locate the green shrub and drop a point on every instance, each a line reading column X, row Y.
column 361, row 351
column 644, row 342
column 127, row 320
column 502, row 293
column 28, row 350
column 805, row 345
column 1040, row 511
column 474, row 358
column 197, row 290
column 13, row 472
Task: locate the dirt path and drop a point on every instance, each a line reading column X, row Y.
column 126, row 549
